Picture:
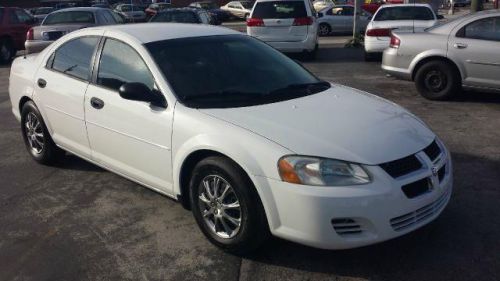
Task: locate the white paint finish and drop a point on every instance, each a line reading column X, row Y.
column 340, row 123
column 149, row 145
column 131, row 137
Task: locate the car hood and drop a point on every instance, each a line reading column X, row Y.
column 340, row 123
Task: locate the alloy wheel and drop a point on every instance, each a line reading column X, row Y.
column 34, row 133
column 219, row 206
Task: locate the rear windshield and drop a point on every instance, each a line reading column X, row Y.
column 279, row 10
column 43, row 11
column 176, row 16
column 69, row 17
column 404, row 13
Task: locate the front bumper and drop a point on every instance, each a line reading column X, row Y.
column 36, row 46
column 323, row 217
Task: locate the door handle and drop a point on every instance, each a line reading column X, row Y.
column 41, row 83
column 460, row 46
column 96, row 103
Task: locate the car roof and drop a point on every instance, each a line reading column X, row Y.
column 405, row 5
column 150, row 32
column 85, row 9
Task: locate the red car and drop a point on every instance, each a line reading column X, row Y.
column 155, row 8
column 14, row 23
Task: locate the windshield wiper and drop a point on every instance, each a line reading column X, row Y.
column 225, row 94
column 308, row 88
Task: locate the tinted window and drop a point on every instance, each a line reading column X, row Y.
column 226, row 64
column 2, row 11
column 177, row 16
column 43, row 11
column 341, row 11
column 69, row 17
column 22, row 16
column 118, row 18
column 108, row 17
column 279, row 10
column 485, row 29
column 13, row 18
column 114, row 70
column 74, row 57
column 404, row 13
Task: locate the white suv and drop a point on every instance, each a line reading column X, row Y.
column 288, row 25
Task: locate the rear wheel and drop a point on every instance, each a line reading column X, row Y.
column 7, row 51
column 226, row 206
column 438, row 80
column 36, row 136
column 324, row 29
column 370, row 56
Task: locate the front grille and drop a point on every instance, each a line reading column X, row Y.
column 432, row 151
column 441, row 173
column 421, row 215
column 346, row 227
column 402, row 166
column 417, row 188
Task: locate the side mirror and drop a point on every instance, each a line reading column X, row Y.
column 139, row 92
column 440, row 17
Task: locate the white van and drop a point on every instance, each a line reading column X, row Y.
column 288, row 25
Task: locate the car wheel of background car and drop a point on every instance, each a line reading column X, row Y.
column 370, row 56
column 324, row 29
column 226, row 206
column 438, row 80
column 7, row 50
column 36, row 136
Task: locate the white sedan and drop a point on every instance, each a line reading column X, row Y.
column 242, row 135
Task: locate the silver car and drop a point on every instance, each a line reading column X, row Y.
column 462, row 52
column 132, row 13
column 340, row 19
column 64, row 21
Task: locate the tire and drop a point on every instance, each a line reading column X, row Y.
column 7, row 51
column 370, row 56
column 222, row 209
column 324, row 29
column 36, row 137
column 311, row 55
column 438, row 80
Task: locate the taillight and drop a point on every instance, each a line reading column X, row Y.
column 379, row 32
column 303, row 21
column 395, row 42
column 30, row 34
column 255, row 22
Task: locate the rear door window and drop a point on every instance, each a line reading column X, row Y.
column 483, row 29
column 280, row 10
column 404, row 13
column 74, row 57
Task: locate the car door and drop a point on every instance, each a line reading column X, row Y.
column 129, row 137
column 476, row 46
column 60, row 88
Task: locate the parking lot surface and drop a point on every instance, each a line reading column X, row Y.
column 79, row 222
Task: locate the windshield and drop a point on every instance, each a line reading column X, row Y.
column 208, row 6
column 404, row 13
column 176, row 16
column 230, row 71
column 69, row 17
column 247, row 5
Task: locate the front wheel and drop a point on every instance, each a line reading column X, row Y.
column 36, row 136
column 226, row 206
column 438, row 80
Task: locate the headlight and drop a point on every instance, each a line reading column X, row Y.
column 321, row 171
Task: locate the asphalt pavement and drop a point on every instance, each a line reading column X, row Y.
column 80, row 222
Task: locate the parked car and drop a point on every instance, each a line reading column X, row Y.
column 464, row 51
column 14, row 23
column 183, row 15
column 461, row 3
column 288, row 25
column 64, row 21
column 336, row 168
column 370, row 6
column 395, row 17
column 132, row 13
column 340, row 19
column 239, row 9
column 322, row 4
column 41, row 12
column 155, row 8
column 213, row 9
